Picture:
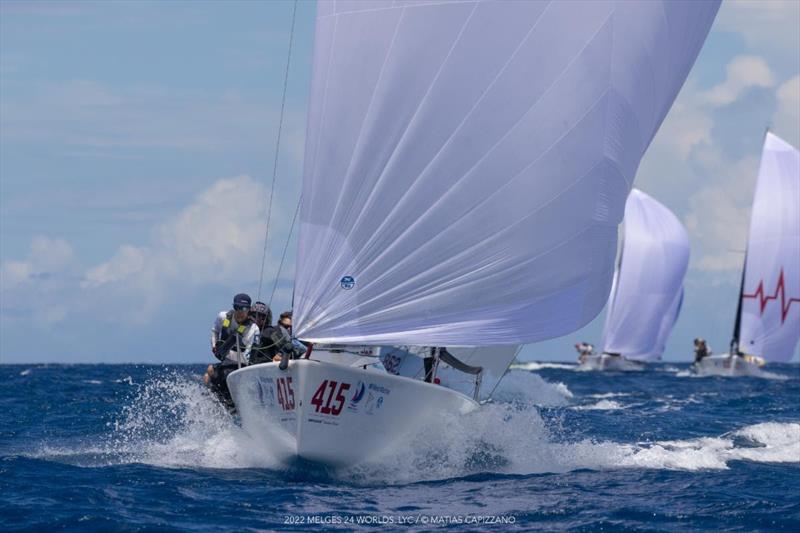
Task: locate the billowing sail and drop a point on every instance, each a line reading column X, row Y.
column 770, row 319
column 666, row 327
column 649, row 281
column 663, row 332
column 467, row 162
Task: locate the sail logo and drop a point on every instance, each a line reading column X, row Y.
column 265, row 392
column 347, row 282
column 358, row 396
column 780, row 290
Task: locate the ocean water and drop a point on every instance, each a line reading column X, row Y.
column 145, row 448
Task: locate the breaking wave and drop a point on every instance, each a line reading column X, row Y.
column 531, row 388
column 533, row 366
column 602, row 405
column 173, row 422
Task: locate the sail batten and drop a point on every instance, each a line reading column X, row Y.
column 467, row 163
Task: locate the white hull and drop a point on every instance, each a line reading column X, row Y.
column 725, row 365
column 334, row 414
column 610, row 363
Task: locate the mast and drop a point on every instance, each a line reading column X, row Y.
column 614, row 290
column 737, row 324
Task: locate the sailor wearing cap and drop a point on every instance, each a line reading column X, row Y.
column 232, row 338
column 235, row 322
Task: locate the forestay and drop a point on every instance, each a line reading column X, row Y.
column 655, row 256
column 770, row 322
column 467, row 162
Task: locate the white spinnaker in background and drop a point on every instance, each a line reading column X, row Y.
column 467, row 162
column 655, row 256
column 770, row 323
column 666, row 328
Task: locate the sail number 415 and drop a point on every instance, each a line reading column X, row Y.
column 285, row 394
column 324, row 400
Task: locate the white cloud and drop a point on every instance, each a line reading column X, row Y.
column 786, row 121
column 719, row 215
column 128, row 261
column 34, row 286
column 743, row 72
column 712, row 166
column 217, row 239
column 47, row 258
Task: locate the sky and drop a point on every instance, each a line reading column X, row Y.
column 137, row 146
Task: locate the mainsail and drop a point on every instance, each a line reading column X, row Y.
column 467, row 162
column 648, row 284
column 770, row 296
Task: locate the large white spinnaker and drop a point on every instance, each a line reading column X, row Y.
column 648, row 285
column 770, row 298
column 467, row 162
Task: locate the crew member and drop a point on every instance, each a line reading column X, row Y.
column 585, row 350
column 232, row 338
column 701, row 350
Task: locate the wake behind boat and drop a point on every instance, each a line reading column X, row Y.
column 610, row 363
column 767, row 324
column 730, row 365
column 462, row 160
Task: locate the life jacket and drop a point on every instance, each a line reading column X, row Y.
column 227, row 331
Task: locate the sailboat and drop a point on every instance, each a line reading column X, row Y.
column 462, row 161
column 647, row 291
column 767, row 324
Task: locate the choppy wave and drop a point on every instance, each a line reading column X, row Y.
column 533, row 366
column 533, row 389
column 173, row 422
column 602, row 405
column 759, row 373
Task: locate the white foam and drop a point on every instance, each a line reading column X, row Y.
column 25, row 372
column 609, row 395
column 531, row 389
column 534, row 366
column 501, row 439
column 175, row 422
column 172, row 421
column 602, row 405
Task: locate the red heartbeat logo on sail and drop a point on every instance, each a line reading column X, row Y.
column 779, row 290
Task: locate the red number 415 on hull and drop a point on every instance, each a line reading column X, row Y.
column 324, row 401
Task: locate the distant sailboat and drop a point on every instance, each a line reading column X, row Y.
column 463, row 160
column 767, row 325
column 647, row 291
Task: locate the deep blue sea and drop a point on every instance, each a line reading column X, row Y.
column 144, row 448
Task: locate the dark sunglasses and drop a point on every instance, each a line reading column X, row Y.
column 240, row 308
column 260, row 316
